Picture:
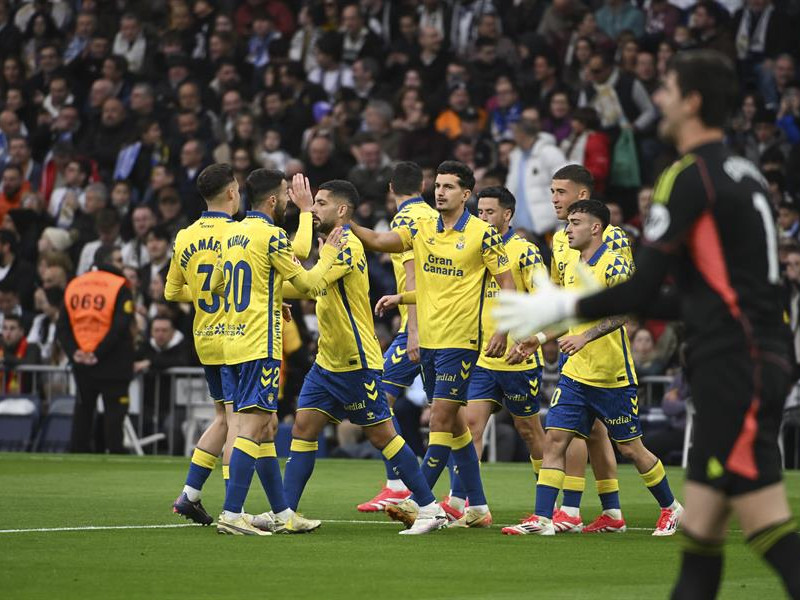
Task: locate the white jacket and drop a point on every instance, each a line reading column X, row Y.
column 538, row 166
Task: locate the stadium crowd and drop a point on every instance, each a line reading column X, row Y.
column 109, row 109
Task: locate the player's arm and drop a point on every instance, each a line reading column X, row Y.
column 300, row 194
column 398, row 240
column 412, row 328
column 570, row 344
column 496, row 260
column 305, row 281
column 340, row 268
column 175, row 287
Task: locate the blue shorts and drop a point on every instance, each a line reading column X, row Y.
column 355, row 395
column 445, row 372
column 518, row 391
column 256, row 384
column 398, row 371
column 229, row 381
column 214, row 381
column 575, row 406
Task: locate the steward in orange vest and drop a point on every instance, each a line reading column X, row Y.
column 94, row 329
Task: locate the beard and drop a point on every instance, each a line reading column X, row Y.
column 280, row 214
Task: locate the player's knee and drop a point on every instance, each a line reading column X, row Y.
column 442, row 419
column 380, row 435
column 556, row 442
column 629, row 449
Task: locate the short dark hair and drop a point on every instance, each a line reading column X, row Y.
column 107, row 219
column 262, row 183
column 406, row 178
column 102, row 255
column 594, row 208
column 54, row 295
column 160, row 233
column 576, row 174
column 712, row 75
column 213, row 179
column 13, row 317
column 163, row 318
column 10, row 238
column 504, row 197
column 466, row 178
column 342, row 190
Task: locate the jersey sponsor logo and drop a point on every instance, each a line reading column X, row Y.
column 657, row 223
column 356, row 405
column 618, row 420
column 202, row 244
column 441, row 266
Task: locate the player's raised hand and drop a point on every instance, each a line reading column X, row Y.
column 386, row 304
column 524, row 314
column 497, row 345
column 300, row 192
column 335, row 238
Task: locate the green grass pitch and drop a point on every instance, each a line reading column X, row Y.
column 352, row 556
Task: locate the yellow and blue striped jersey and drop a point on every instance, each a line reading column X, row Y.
column 606, row 362
column 408, row 213
column 258, row 257
column 452, row 268
column 615, row 238
column 525, row 260
column 347, row 339
column 193, row 278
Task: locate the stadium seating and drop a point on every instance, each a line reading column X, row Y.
column 19, row 415
column 56, row 430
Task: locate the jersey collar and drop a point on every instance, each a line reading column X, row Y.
column 596, row 256
column 460, row 225
column 259, row 215
column 508, row 234
column 414, row 200
column 214, row 214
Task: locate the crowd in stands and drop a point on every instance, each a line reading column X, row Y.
column 109, row 109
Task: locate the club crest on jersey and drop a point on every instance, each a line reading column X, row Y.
column 460, row 243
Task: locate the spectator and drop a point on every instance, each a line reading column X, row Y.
column 507, row 111
column 131, row 43
column 15, row 351
column 158, row 248
column 69, row 197
column 304, row 39
column 171, row 211
column 271, row 154
column 617, row 16
column 707, row 27
column 43, row 330
column 193, row 160
column 432, row 60
column 761, row 31
column 15, row 272
column 532, row 164
column 372, row 172
column 85, row 28
column 322, row 165
column 420, row 141
column 14, row 188
column 485, row 68
column 789, row 221
column 645, row 71
column 19, row 153
column 588, row 147
column 545, row 81
column 667, row 443
column 357, row 40
column 619, row 99
column 107, row 138
column 558, row 121
column 107, row 228
column 766, row 138
column 10, row 304
column 331, row 73
column 134, row 251
column 482, row 145
column 661, row 19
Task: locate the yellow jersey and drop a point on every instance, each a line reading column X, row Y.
column 452, row 268
column 606, row 362
column 615, row 238
column 408, row 213
column 347, row 340
column 525, row 260
column 258, row 257
column 193, row 278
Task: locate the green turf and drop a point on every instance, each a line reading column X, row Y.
column 351, row 556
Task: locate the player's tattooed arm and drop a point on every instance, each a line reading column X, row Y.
column 571, row 344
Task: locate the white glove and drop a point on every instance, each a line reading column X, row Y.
column 522, row 315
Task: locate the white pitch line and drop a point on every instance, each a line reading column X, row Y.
column 180, row 525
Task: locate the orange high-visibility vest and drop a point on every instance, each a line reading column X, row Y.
column 89, row 300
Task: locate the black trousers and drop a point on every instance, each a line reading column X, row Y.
column 115, row 402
